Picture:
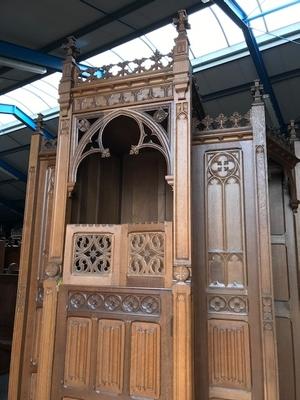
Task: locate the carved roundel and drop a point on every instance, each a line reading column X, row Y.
column 217, row 303
column 77, row 300
column 112, row 302
column 150, row 305
column 131, row 304
column 95, row 301
column 223, row 165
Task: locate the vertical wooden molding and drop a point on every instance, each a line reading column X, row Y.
column 24, row 275
column 268, row 332
column 60, row 190
column 58, row 225
column 47, row 340
column 182, row 144
column 182, row 346
column 297, row 214
column 182, row 342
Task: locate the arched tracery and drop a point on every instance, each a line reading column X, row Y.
column 151, row 135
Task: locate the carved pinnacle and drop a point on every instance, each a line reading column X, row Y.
column 70, row 47
column 39, row 123
column 181, row 21
column 292, row 131
column 257, row 91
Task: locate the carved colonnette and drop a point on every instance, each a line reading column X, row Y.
column 231, row 250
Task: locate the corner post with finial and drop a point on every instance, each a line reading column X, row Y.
column 182, row 371
column 268, row 330
column 17, row 352
column 53, row 269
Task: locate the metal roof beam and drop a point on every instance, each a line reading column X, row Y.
column 23, row 117
column 238, row 15
column 14, row 150
column 12, row 171
column 26, row 55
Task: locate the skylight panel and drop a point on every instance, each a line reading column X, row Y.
column 233, row 33
column 206, row 35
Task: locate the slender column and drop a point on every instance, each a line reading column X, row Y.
column 53, row 270
column 268, row 331
column 24, row 275
column 296, row 141
column 182, row 384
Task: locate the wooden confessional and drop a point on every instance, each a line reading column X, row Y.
column 113, row 244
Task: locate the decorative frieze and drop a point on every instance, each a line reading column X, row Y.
column 127, row 303
column 236, row 120
column 228, row 304
column 118, row 98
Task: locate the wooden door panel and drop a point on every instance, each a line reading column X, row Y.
column 286, row 365
column 145, row 360
column 113, row 341
column 110, row 356
column 78, row 352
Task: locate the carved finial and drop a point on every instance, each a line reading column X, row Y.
column 292, row 130
column 39, row 123
column 181, row 21
column 70, row 47
column 257, row 91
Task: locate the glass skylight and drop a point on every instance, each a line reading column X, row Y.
column 212, row 31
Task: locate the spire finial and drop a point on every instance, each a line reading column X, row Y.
column 70, row 47
column 39, row 123
column 292, row 130
column 257, row 91
column 181, row 21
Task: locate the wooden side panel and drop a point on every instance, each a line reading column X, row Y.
column 225, row 221
column 286, row 295
column 110, row 356
column 228, row 348
column 145, row 360
column 229, row 356
column 285, row 349
column 78, row 351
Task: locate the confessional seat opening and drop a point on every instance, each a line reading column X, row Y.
column 123, row 188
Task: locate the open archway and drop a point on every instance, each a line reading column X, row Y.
column 128, row 186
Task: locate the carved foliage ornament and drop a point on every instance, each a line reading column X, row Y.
column 146, row 254
column 92, row 254
column 114, row 303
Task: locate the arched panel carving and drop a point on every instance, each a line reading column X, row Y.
column 92, row 140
